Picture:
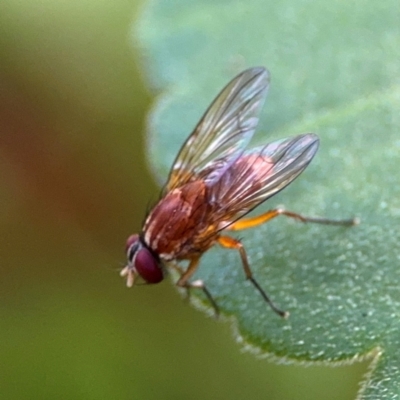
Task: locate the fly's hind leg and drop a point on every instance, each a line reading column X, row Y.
column 198, row 284
column 245, row 223
column 251, row 222
column 231, row 243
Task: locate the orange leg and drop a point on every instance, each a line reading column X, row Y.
column 231, row 243
column 199, row 284
column 246, row 223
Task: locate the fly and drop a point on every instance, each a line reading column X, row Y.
column 214, row 182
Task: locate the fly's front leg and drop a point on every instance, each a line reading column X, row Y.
column 198, row 284
column 181, row 272
column 231, row 243
column 251, row 222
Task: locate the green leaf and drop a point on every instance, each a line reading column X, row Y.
column 335, row 71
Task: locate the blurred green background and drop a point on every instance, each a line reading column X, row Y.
column 74, row 183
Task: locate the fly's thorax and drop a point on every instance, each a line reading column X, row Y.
column 177, row 220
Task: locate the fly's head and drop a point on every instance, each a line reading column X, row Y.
column 141, row 262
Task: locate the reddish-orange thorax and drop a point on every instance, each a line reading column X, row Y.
column 175, row 227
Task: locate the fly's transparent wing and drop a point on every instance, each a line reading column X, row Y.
column 224, row 130
column 259, row 174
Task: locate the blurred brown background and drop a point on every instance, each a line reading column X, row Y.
column 74, row 184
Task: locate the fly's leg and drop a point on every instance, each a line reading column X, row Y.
column 180, row 271
column 198, row 284
column 231, row 243
column 251, row 222
column 245, row 223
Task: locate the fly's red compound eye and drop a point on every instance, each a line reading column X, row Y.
column 148, row 267
column 130, row 241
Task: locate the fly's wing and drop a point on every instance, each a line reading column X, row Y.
column 259, row 174
column 224, row 130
